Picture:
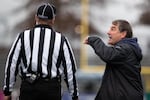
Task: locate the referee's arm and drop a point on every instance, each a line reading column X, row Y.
column 69, row 65
column 11, row 68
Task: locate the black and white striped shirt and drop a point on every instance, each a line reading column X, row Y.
column 41, row 50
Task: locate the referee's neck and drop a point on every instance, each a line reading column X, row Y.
column 49, row 22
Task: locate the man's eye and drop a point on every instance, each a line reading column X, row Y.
column 112, row 29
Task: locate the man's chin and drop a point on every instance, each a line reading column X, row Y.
column 110, row 43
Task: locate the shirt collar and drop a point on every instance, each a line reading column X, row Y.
column 43, row 25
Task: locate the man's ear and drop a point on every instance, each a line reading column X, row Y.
column 123, row 34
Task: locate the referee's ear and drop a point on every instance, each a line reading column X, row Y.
column 53, row 20
column 36, row 19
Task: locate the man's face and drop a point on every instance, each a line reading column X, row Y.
column 115, row 35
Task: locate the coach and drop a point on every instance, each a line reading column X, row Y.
column 41, row 56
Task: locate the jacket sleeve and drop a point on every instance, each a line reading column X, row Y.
column 11, row 69
column 70, row 68
column 108, row 54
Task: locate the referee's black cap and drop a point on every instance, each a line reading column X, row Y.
column 46, row 11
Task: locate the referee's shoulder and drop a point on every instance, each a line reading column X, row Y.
column 60, row 33
column 25, row 30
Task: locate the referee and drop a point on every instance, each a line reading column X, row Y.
column 41, row 57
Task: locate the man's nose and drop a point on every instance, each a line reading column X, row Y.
column 108, row 32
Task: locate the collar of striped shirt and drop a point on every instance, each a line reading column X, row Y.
column 43, row 25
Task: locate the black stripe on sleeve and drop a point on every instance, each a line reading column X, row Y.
column 65, row 69
column 21, row 55
column 71, row 57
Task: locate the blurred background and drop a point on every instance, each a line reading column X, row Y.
column 77, row 19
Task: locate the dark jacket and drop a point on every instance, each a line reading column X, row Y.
column 122, row 79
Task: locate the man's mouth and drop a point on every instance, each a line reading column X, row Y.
column 109, row 37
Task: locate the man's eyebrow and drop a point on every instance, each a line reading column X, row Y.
column 113, row 27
